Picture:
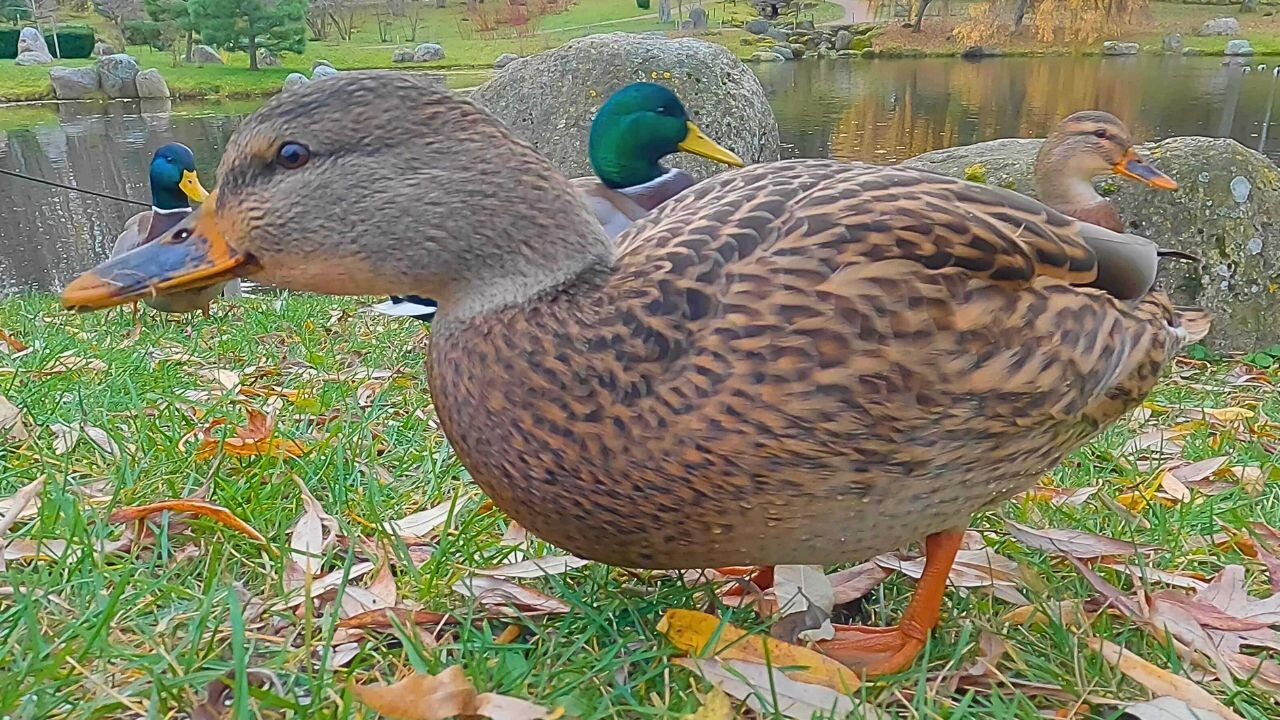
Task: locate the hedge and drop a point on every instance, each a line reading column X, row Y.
column 74, row 41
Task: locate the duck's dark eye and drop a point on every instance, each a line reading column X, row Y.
column 1100, row 133
column 292, row 155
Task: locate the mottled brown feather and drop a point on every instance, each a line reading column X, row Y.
column 799, row 362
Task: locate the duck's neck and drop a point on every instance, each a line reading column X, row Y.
column 168, row 199
column 1058, row 190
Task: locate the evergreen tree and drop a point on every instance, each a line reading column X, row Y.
column 174, row 16
column 277, row 25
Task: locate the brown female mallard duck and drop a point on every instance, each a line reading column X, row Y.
column 799, row 362
column 174, row 186
column 1083, row 146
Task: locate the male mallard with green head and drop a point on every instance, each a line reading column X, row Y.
column 798, row 362
column 631, row 133
column 174, row 186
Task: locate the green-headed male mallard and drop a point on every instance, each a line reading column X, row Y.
column 174, row 186
column 631, row 133
column 798, row 362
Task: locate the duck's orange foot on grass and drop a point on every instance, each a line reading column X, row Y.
column 888, row 650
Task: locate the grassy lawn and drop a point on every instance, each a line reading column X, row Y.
column 91, row 630
column 465, row 49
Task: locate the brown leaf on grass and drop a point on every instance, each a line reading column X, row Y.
column 1111, row 593
column 388, row 617
column 1195, row 472
column 805, row 600
column 1253, row 480
column 1158, row 681
column 702, row 635
column 448, row 694
column 23, row 504
column 423, row 523
column 1070, row 613
column 1160, row 441
column 1141, row 573
column 767, row 690
column 1168, row 708
column 536, row 567
column 855, row 582
column 12, row 343
column 65, row 437
column 101, row 439
column 219, row 694
column 326, row 583
column 313, row 533
column 12, row 428
column 254, row 439
column 70, row 362
column 25, row 549
column 504, row 598
column 216, row 513
column 225, row 379
column 383, row 585
column 971, row 569
column 1073, row 543
column 514, row 535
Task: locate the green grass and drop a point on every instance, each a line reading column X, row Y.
column 141, row 633
column 465, row 49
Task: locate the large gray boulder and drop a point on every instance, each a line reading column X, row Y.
column 402, row 55
column 1223, row 26
column 205, row 55
column 32, row 49
column 1226, row 211
column 295, row 80
column 78, row 83
column 428, row 52
column 550, row 99
column 1116, row 48
column 101, row 49
column 151, row 84
column 504, row 60
column 757, row 26
column 1238, row 48
column 118, row 75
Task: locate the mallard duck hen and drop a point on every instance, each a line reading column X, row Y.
column 631, row 133
column 174, row 186
column 799, row 362
column 1083, row 146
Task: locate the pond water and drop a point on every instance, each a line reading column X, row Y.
column 878, row 111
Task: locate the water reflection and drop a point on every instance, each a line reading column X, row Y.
column 48, row 234
column 890, row 110
column 878, row 111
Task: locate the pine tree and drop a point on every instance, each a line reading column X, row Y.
column 175, row 16
column 277, row 25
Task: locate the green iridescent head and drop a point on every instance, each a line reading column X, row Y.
column 637, row 127
column 174, row 183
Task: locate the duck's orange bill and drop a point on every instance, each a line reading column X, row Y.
column 192, row 255
column 1134, row 167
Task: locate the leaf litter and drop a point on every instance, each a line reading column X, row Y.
column 444, row 695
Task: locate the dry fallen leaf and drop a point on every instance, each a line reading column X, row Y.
column 1075, row 543
column 255, row 438
column 506, row 599
column 12, row 343
column 69, row 362
column 388, row 618
column 312, row 534
column 217, row 513
column 218, row 695
column 1158, row 681
column 1168, row 708
column 972, row 568
column 423, row 523
column 23, row 504
column 768, row 690
column 536, row 567
column 805, row 600
column 715, row 706
column 448, row 694
column 65, row 437
column 855, row 582
column 225, row 379
column 702, row 635
column 11, row 426
column 1160, row 441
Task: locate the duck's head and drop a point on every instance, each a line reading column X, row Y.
column 371, row 183
column 1089, row 144
column 637, row 127
column 174, row 183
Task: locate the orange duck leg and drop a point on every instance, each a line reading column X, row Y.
column 888, row 650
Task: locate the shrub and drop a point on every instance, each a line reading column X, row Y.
column 159, row 35
column 9, row 43
column 74, row 41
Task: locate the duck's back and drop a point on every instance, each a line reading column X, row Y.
column 799, row 362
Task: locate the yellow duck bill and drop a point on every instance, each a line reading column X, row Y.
column 192, row 255
column 697, row 143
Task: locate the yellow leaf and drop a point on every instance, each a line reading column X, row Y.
column 716, row 706
column 1231, row 414
column 702, row 635
column 1159, row 681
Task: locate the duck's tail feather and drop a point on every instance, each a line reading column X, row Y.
column 1179, row 255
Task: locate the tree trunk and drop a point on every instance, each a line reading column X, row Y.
column 253, row 47
column 191, row 42
column 1019, row 13
column 924, row 4
column 664, row 11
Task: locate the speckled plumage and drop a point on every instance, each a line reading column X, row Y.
column 799, row 362
column 802, row 362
